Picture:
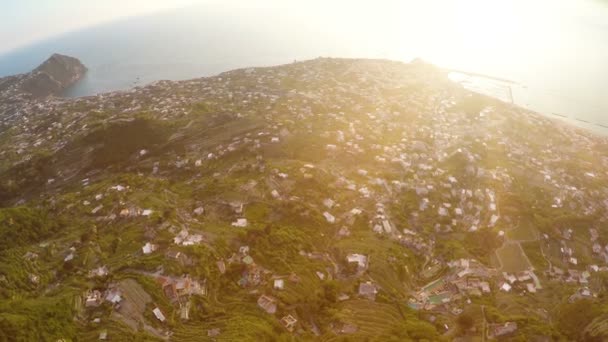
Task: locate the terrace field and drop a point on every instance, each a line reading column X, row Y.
column 523, row 232
column 512, row 258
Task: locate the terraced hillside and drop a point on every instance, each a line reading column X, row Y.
column 331, row 199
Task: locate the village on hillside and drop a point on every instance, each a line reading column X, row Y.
column 320, row 199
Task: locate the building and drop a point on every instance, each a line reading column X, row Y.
column 368, row 290
column 240, row 222
column 360, row 259
column 279, row 284
column 213, row 332
column 221, row 266
column 148, row 248
column 268, row 304
column 531, row 288
column 499, row 330
column 329, row 217
column 93, row 298
column 114, row 296
column 103, row 335
column 289, row 322
column 505, row 287
column 159, row 315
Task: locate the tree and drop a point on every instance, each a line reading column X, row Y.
column 465, row 321
column 330, row 291
column 574, row 317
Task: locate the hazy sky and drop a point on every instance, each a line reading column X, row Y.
column 469, row 34
column 26, row 21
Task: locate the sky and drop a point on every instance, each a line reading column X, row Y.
column 480, row 35
column 23, row 22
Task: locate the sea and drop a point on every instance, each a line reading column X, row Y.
column 556, row 65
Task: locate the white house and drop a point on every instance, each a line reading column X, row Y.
column 159, row 315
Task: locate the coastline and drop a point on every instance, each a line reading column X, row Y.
column 483, row 84
column 495, row 87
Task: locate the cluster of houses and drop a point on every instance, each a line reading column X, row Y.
column 412, row 144
column 94, row 298
column 525, row 281
column 468, row 278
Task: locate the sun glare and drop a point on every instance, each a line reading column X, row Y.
column 461, row 34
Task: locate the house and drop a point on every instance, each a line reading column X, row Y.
column 279, row 284
column 240, row 222
column 98, row 272
column 192, row 239
column 505, row 287
column 329, row 217
column 159, row 315
column 343, row 296
column 349, row 329
column 93, row 298
column 221, row 266
column 268, row 304
column 597, row 248
column 128, row 212
column 113, row 296
column 558, row 271
column 30, row 256
column 368, row 290
column 387, row 226
column 184, row 311
column 523, row 277
column 148, row 248
column 199, row 211
column 344, row 232
column 237, row 207
column 531, row 288
column 69, row 257
column 289, row 322
column 485, row 287
column 328, row 202
column 247, row 260
column 360, row 259
column 275, row 194
column 169, row 289
column 103, row 335
column 509, row 277
column 180, row 237
column 174, row 255
column 213, row 332
column 294, row 278
column 498, row 330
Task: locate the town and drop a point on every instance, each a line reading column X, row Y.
column 321, row 199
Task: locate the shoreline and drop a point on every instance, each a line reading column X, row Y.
column 474, row 79
column 471, row 82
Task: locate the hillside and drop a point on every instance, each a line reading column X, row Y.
column 331, row 199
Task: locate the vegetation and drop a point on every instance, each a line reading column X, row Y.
column 21, row 226
column 319, row 171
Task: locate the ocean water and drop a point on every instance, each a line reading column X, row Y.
column 559, row 69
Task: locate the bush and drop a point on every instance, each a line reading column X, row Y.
column 23, row 226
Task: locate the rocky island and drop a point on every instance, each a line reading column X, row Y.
column 330, row 199
column 50, row 78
